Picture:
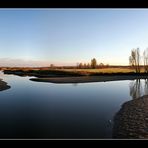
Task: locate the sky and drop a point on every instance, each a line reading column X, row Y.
column 40, row 37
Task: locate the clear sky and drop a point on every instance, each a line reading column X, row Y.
column 39, row 37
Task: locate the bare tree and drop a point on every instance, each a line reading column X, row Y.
column 134, row 59
column 77, row 65
column 145, row 58
column 93, row 63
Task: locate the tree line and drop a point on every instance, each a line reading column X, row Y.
column 92, row 65
column 136, row 61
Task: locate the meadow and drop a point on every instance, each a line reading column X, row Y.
column 59, row 71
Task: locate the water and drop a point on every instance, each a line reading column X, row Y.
column 46, row 110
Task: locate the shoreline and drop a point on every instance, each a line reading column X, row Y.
column 61, row 76
column 131, row 121
column 88, row 79
column 3, row 85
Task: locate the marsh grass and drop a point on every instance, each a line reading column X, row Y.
column 72, row 72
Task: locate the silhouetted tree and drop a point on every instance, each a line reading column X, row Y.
column 93, row 63
column 134, row 59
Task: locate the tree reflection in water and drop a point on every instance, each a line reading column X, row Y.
column 137, row 89
column 146, row 87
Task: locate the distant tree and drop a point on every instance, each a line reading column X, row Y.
column 81, row 65
column 93, row 63
column 107, row 65
column 84, row 66
column 52, row 66
column 77, row 65
column 134, row 60
column 101, row 65
column 88, row 65
column 145, row 58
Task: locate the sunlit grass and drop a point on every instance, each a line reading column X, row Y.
column 103, row 70
column 73, row 72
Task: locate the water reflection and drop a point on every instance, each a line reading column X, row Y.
column 75, row 84
column 137, row 88
column 3, row 85
column 146, row 86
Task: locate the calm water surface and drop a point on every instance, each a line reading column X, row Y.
column 47, row 110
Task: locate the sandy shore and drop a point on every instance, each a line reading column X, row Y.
column 86, row 79
column 132, row 120
column 3, row 85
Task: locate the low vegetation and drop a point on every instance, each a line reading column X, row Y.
column 71, row 72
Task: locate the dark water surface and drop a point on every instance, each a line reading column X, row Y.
column 46, row 110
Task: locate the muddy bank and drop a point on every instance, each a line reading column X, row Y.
column 3, row 85
column 86, row 79
column 43, row 73
column 131, row 122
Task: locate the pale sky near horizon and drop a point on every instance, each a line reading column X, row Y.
column 40, row 37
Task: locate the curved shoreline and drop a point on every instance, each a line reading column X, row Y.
column 3, row 85
column 131, row 121
column 87, row 79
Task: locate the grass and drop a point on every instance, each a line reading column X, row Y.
column 41, row 72
column 103, row 70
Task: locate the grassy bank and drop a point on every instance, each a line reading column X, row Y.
column 79, row 75
column 71, row 72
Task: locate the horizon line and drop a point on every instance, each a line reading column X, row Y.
column 60, row 66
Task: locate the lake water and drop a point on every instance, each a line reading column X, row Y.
column 47, row 110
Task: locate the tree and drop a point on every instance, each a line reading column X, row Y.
column 101, row 65
column 88, row 65
column 84, row 66
column 134, row 60
column 145, row 58
column 77, row 65
column 51, row 66
column 93, row 63
column 81, row 65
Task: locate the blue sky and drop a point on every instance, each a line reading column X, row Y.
column 69, row 36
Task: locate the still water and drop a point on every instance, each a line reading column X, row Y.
column 47, row 110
